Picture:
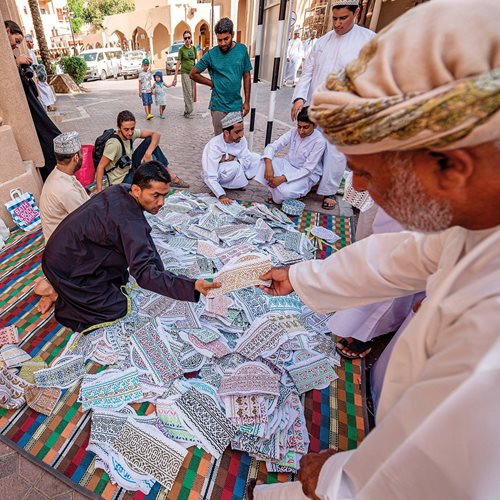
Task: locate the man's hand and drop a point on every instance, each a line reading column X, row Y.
column 245, row 109
column 268, row 172
column 225, row 200
column 23, row 59
column 225, row 158
column 204, row 286
column 277, row 181
column 297, row 106
column 310, row 467
column 147, row 157
column 174, row 82
column 280, row 283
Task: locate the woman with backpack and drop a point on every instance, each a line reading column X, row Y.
column 116, row 158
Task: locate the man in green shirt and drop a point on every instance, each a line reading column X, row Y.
column 227, row 65
column 186, row 60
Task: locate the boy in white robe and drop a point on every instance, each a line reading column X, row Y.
column 332, row 53
column 295, row 175
column 436, row 434
column 227, row 163
column 294, row 56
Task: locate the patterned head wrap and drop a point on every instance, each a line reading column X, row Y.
column 421, row 83
column 160, row 74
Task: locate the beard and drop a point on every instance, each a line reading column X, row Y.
column 408, row 203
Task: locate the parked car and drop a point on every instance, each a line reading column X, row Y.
column 171, row 56
column 100, row 62
column 132, row 63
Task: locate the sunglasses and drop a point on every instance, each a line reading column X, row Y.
column 187, row 38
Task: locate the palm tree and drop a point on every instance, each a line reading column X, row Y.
column 40, row 34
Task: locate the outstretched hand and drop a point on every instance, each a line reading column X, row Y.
column 280, row 282
column 310, row 467
column 204, row 286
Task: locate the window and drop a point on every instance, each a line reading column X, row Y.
column 60, row 14
column 25, row 10
column 101, row 57
column 43, row 11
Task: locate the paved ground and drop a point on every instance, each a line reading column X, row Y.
column 182, row 139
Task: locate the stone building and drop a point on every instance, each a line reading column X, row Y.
column 21, row 152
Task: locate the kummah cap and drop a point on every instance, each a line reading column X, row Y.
column 344, row 3
column 145, row 61
column 28, row 38
column 293, row 207
column 67, row 143
column 231, row 119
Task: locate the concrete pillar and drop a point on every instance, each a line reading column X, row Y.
column 13, row 105
column 131, row 44
column 234, row 15
column 375, row 15
column 151, row 51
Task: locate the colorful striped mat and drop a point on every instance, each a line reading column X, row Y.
column 335, row 415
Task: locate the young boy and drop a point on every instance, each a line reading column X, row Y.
column 295, row 175
column 146, row 88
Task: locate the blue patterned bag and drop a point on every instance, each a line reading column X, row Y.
column 23, row 210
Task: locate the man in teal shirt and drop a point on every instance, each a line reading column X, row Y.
column 227, row 64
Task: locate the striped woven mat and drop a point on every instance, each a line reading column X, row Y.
column 335, row 416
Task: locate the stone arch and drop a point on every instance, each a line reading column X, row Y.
column 161, row 41
column 89, row 46
column 179, row 30
column 202, row 35
column 119, row 39
column 242, row 21
column 98, row 45
column 140, row 39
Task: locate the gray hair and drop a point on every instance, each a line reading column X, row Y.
column 224, row 25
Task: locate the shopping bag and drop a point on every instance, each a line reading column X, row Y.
column 23, row 210
column 86, row 173
column 359, row 199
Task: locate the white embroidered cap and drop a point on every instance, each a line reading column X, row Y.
column 231, row 119
column 344, row 3
column 67, row 143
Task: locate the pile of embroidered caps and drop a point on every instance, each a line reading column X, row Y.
column 254, row 355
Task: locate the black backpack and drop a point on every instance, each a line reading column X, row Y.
column 100, row 144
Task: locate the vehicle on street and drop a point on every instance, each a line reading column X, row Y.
column 102, row 63
column 171, row 56
column 131, row 63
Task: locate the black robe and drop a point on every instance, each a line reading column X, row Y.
column 87, row 257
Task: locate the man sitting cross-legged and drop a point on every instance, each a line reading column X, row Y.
column 90, row 255
column 295, row 175
column 227, row 162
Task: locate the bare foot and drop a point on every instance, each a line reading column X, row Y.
column 45, row 305
column 47, row 295
column 352, row 348
column 251, row 486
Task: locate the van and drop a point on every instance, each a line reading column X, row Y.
column 102, row 63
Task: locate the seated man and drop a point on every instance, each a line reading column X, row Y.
column 119, row 159
column 61, row 194
column 295, row 175
column 227, row 162
column 90, row 255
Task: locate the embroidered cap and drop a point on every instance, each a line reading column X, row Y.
column 343, row 3
column 67, row 143
column 231, row 119
column 28, row 37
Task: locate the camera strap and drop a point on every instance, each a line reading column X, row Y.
column 116, row 136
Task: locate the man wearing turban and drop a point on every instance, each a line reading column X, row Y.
column 418, row 116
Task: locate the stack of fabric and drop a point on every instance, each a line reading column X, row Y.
column 249, row 357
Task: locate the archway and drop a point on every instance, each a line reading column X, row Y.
column 118, row 39
column 242, row 19
column 161, row 41
column 202, row 35
column 179, row 30
column 140, row 39
column 89, row 46
column 98, row 45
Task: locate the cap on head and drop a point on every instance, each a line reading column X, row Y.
column 231, row 119
column 28, row 38
column 67, row 143
column 345, row 3
column 145, row 61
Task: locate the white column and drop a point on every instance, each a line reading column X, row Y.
column 375, row 15
column 151, row 49
column 234, row 15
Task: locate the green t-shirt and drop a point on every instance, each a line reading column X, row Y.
column 187, row 58
column 226, row 71
column 113, row 152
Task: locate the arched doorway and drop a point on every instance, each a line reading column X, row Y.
column 179, row 30
column 161, row 41
column 202, row 35
column 242, row 20
column 118, row 39
column 89, row 46
column 140, row 39
column 98, row 45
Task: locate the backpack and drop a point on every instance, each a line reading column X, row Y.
column 100, row 144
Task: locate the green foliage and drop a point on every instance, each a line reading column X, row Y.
column 75, row 67
column 96, row 10
column 76, row 8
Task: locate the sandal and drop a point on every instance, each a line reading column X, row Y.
column 359, row 348
column 327, row 205
column 179, row 183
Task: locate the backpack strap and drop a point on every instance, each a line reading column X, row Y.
column 116, row 136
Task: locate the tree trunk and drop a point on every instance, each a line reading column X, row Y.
column 40, row 35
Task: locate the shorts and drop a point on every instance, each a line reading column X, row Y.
column 147, row 99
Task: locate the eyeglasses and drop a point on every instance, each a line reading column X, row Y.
column 187, row 38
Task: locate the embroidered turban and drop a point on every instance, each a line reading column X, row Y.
column 429, row 80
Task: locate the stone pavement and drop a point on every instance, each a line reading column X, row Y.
column 182, row 139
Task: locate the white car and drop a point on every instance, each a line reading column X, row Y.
column 102, row 63
column 131, row 63
column 171, row 56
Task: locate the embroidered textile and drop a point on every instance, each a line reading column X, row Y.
column 66, row 371
column 42, row 399
column 226, row 254
column 313, row 373
column 30, row 367
column 11, row 389
column 250, row 378
column 9, row 335
column 12, row 355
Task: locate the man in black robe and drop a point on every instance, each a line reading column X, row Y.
column 89, row 256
